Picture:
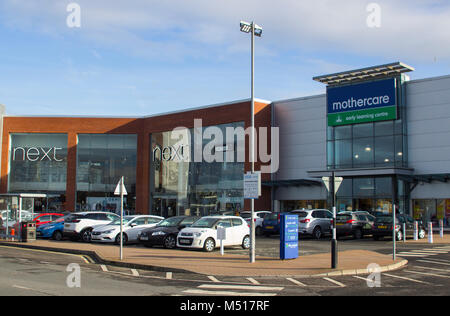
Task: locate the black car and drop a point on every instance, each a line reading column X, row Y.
column 165, row 233
column 356, row 223
column 383, row 227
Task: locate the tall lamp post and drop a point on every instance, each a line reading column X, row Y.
column 254, row 30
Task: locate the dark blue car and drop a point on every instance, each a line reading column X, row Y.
column 53, row 230
column 271, row 224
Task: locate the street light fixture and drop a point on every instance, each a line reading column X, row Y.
column 254, row 29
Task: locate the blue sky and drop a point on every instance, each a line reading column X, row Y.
column 143, row 57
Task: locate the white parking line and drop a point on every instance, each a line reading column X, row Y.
column 104, row 268
column 227, row 293
column 435, row 262
column 134, row 272
column 295, row 281
column 434, row 269
column 405, row 278
column 432, row 274
column 212, row 278
column 430, row 250
column 253, row 281
column 240, row 287
column 335, row 282
column 169, row 275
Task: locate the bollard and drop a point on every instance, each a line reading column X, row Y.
column 416, row 230
column 404, row 232
column 430, row 232
column 441, row 228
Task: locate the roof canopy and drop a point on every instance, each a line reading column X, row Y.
column 374, row 72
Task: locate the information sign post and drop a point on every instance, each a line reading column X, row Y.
column 288, row 236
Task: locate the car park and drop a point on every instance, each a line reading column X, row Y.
column 80, row 225
column 314, row 222
column 383, row 227
column 203, row 233
column 53, row 230
column 132, row 226
column 165, row 232
column 358, row 224
column 259, row 218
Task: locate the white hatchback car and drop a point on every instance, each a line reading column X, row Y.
column 132, row 226
column 203, row 233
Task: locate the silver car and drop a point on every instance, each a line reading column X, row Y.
column 316, row 222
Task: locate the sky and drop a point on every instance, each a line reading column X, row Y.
column 143, row 57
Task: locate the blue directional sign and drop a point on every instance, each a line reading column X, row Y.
column 288, row 236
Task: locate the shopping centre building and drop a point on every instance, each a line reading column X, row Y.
column 387, row 136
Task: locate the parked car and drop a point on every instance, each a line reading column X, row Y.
column 315, row 222
column 357, row 223
column 45, row 218
column 259, row 218
column 203, row 233
column 165, row 232
column 383, row 227
column 271, row 224
column 53, row 230
column 132, row 226
column 81, row 224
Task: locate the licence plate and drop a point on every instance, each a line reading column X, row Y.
column 144, row 238
column 184, row 241
column 339, row 224
column 269, row 227
column 382, row 227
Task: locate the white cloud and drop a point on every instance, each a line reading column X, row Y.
column 413, row 30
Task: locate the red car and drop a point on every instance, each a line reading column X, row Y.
column 45, row 218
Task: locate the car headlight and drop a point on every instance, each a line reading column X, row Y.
column 108, row 231
column 158, row 233
column 198, row 234
column 47, row 228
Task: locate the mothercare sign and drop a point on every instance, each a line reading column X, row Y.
column 361, row 103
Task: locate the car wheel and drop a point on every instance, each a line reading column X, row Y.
column 358, row 234
column 258, row 231
column 209, row 245
column 125, row 239
column 317, row 232
column 86, row 235
column 422, row 234
column 57, row 235
column 169, row 242
column 246, row 242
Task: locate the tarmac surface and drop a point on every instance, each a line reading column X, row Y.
column 350, row 262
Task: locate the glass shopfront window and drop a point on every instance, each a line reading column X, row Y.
column 182, row 185
column 369, row 145
column 287, row 206
column 101, row 160
column 371, row 194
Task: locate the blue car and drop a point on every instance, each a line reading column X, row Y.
column 271, row 224
column 53, row 230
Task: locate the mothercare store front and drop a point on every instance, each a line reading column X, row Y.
column 367, row 138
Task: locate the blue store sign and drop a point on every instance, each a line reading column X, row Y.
column 363, row 102
column 288, row 236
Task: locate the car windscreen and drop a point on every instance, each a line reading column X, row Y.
column 170, row 222
column 343, row 217
column 246, row 215
column 300, row 214
column 116, row 221
column 205, row 222
column 384, row 219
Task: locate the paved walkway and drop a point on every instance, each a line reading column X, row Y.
column 350, row 262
